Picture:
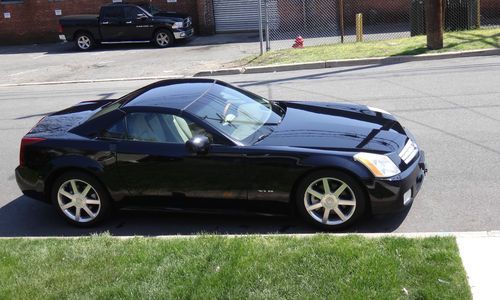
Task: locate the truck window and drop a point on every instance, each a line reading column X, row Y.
column 132, row 12
column 112, row 12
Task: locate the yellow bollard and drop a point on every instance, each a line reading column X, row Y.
column 359, row 27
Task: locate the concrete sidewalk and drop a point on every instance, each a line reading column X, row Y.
column 481, row 259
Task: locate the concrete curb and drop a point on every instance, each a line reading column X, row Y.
column 90, row 81
column 347, row 63
column 472, row 234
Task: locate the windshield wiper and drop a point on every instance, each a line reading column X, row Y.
column 260, row 138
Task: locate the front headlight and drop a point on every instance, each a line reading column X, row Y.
column 379, row 165
column 178, row 25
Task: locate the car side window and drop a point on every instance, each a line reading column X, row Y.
column 161, row 128
column 112, row 12
column 131, row 12
column 117, row 131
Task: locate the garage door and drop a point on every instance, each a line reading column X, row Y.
column 236, row 15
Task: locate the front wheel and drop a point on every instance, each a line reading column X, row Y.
column 163, row 38
column 80, row 199
column 330, row 200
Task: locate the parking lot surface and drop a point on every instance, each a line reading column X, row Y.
column 452, row 106
column 62, row 62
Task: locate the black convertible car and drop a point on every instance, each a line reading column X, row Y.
column 202, row 144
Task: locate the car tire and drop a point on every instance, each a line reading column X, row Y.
column 163, row 38
column 85, row 207
column 344, row 198
column 84, row 41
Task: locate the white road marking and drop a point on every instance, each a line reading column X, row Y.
column 23, row 72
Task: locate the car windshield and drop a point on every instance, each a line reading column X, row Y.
column 241, row 115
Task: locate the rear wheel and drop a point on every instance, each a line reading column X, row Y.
column 84, row 41
column 80, row 199
column 330, row 200
column 163, row 38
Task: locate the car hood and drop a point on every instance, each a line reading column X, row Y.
column 335, row 126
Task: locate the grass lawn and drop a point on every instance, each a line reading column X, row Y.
column 453, row 41
column 211, row 267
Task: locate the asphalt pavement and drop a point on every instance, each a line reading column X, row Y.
column 452, row 106
column 63, row 62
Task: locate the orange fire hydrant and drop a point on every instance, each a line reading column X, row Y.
column 299, row 42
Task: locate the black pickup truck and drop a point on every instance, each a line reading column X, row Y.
column 126, row 23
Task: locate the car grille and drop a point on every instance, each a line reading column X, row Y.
column 409, row 152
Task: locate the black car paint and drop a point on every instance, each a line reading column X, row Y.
column 104, row 29
column 312, row 136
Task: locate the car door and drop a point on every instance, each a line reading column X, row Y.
column 111, row 24
column 138, row 24
column 153, row 161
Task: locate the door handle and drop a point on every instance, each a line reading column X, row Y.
column 128, row 22
column 105, row 23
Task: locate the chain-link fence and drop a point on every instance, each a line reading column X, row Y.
column 322, row 22
column 490, row 13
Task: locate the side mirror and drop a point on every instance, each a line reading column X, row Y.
column 141, row 17
column 199, row 144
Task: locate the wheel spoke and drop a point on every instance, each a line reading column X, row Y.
column 326, row 186
column 68, row 205
column 326, row 214
column 92, row 201
column 66, row 194
column 73, row 187
column 77, row 214
column 315, row 206
column 86, row 190
column 339, row 191
column 314, row 193
column 340, row 214
column 347, row 202
column 89, row 212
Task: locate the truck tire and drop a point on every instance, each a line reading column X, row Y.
column 84, row 41
column 163, row 38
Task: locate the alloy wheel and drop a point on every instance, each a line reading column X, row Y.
column 79, row 200
column 330, row 201
column 84, row 42
column 162, row 39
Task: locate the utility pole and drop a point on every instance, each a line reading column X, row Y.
column 434, row 17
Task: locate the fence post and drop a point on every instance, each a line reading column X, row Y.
column 341, row 20
column 359, row 27
column 261, row 35
column 266, row 13
column 478, row 20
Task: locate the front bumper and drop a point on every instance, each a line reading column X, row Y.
column 183, row 33
column 388, row 195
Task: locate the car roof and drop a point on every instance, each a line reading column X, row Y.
column 173, row 93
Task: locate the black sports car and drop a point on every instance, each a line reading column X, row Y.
column 199, row 144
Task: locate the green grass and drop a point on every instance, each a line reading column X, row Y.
column 453, row 41
column 212, row 267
